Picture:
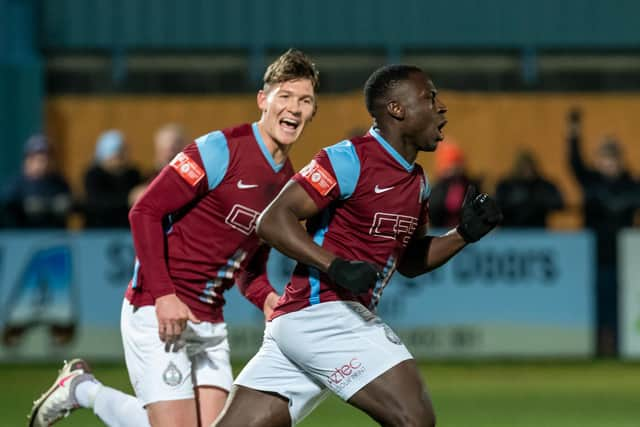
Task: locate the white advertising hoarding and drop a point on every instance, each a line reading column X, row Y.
column 629, row 292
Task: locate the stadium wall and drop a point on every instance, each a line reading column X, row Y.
column 514, row 294
column 370, row 24
column 491, row 128
column 21, row 81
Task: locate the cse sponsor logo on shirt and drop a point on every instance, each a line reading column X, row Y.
column 344, row 375
column 242, row 219
column 393, row 226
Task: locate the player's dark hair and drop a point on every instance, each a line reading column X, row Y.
column 291, row 65
column 381, row 81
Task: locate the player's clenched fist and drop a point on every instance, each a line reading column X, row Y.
column 480, row 214
column 356, row 276
column 172, row 317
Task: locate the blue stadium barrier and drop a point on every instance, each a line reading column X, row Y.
column 514, row 294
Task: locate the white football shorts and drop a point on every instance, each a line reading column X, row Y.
column 337, row 346
column 202, row 358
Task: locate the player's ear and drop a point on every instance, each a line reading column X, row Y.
column 261, row 99
column 395, row 110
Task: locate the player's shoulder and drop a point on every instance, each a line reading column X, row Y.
column 225, row 135
column 365, row 146
column 239, row 131
column 363, row 140
column 343, row 157
column 342, row 146
column 345, row 162
column 214, row 153
column 215, row 137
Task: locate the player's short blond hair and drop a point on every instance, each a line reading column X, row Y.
column 291, row 65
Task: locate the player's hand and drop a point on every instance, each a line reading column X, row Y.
column 480, row 214
column 172, row 317
column 356, row 276
column 270, row 304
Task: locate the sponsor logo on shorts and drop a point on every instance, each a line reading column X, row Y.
column 391, row 336
column 172, row 375
column 344, row 375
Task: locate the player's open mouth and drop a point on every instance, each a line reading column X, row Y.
column 289, row 125
column 440, row 133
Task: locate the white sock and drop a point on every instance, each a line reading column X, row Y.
column 117, row 409
column 85, row 392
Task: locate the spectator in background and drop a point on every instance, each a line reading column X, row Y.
column 525, row 196
column 610, row 198
column 169, row 140
column 108, row 183
column 39, row 197
column 448, row 192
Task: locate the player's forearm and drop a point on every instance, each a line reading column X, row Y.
column 256, row 290
column 280, row 227
column 442, row 248
column 429, row 253
column 253, row 281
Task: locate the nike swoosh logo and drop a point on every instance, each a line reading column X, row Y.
column 64, row 380
column 245, row 186
column 379, row 190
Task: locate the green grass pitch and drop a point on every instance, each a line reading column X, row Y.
column 482, row 394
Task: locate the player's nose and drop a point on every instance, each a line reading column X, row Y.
column 294, row 105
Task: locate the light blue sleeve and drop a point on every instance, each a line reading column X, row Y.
column 346, row 165
column 214, row 153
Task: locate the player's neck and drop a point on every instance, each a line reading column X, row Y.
column 279, row 152
column 404, row 147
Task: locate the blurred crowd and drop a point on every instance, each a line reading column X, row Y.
column 610, row 203
column 40, row 197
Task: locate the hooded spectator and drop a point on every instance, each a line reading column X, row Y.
column 108, row 183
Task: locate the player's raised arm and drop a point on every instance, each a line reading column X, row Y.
column 480, row 215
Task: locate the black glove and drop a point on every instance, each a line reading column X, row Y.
column 356, row 276
column 480, row 214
